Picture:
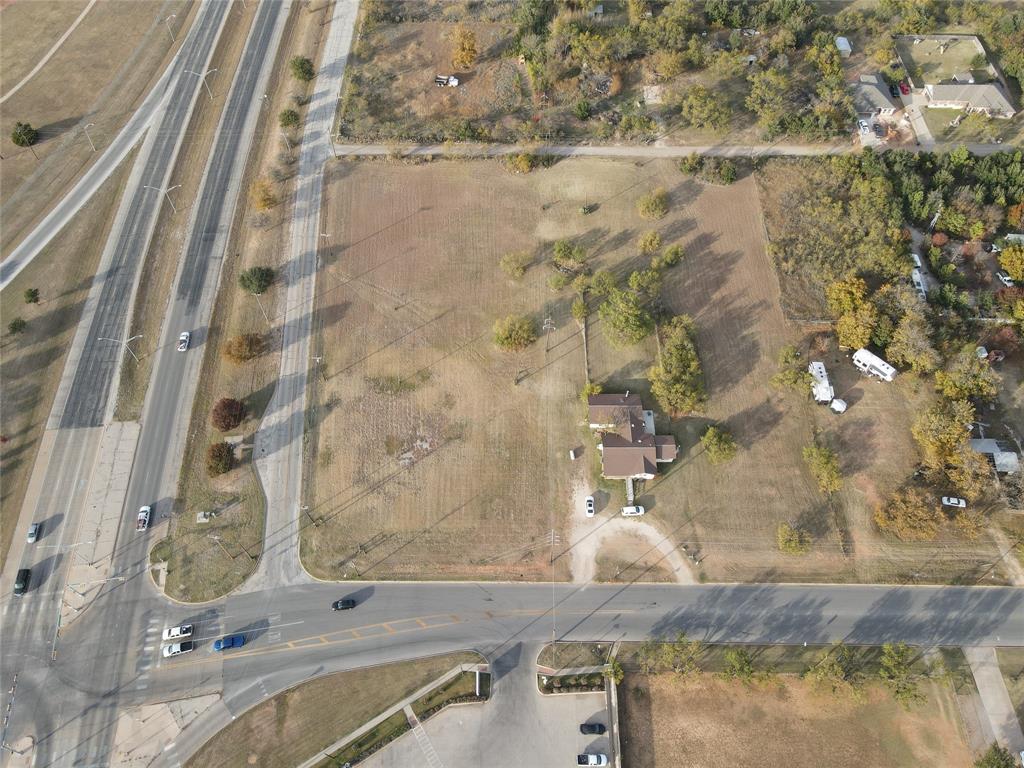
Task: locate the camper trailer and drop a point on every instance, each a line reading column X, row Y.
column 821, row 388
column 873, row 365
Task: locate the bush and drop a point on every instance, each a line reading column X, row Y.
column 514, row 333
column 302, row 68
column 910, row 515
column 677, row 381
column 792, row 540
column 24, row 135
column 227, row 414
column 648, row 243
column 256, row 280
column 718, row 444
column 996, row 757
column 824, row 465
column 243, row 347
column 17, row 325
column 288, row 118
column 464, row 51
column 653, row 205
column 671, row 256
column 582, row 109
column 590, row 388
column 579, row 309
column 516, row 263
column 31, row 295
column 220, row 458
column 523, row 162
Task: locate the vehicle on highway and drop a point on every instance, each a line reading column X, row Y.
column 33, row 533
column 343, row 605
column 176, row 649
column 178, row 633
column 904, row 87
column 21, row 581
column 230, row 641
column 597, row 759
column 589, row 506
column 595, row 729
column 863, row 126
column 953, row 501
column 183, row 340
column 633, row 511
column 142, row 521
column 1005, row 278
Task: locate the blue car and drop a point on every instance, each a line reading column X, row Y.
column 231, row 641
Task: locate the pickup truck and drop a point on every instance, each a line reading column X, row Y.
column 598, row 759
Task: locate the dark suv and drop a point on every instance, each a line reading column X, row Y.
column 21, row 581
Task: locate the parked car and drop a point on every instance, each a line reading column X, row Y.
column 863, row 126
column 953, row 501
column 231, row 641
column 176, row 649
column 1005, row 279
column 21, row 581
column 178, row 633
column 893, row 90
column 986, row 247
column 33, row 533
column 183, row 340
column 592, row 729
column 589, row 506
column 343, row 605
column 142, row 521
column 904, row 87
column 879, row 130
column 633, row 511
column 917, row 260
column 597, row 759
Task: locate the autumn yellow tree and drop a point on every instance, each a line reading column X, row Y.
column 464, row 50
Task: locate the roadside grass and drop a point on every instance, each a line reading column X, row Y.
column 295, row 725
column 31, row 363
column 571, row 655
column 1011, row 664
column 462, row 686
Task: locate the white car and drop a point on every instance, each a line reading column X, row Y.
column 183, row 340
column 917, row 260
column 176, row 649
column 953, row 501
column 590, row 506
column 633, row 511
column 1005, row 279
column 178, row 633
column 863, row 126
column 142, row 521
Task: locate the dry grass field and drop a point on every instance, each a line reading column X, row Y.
column 708, row 723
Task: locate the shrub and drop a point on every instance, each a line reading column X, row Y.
column 582, row 109
column 649, row 242
column 718, row 444
column 288, row 118
column 579, row 309
column 516, row 263
column 996, row 757
column 227, row 414
column 653, row 205
column 910, row 515
column 302, row 68
column 590, row 388
column 24, row 135
column 671, row 256
column 514, row 332
column 464, row 50
column 792, row 540
column 522, row 162
column 243, row 347
column 220, row 458
column 256, row 280
column 262, row 195
column 17, row 325
column 824, row 465
column 31, row 295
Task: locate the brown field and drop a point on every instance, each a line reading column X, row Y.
column 425, row 441
column 98, row 75
column 1011, row 663
column 708, row 723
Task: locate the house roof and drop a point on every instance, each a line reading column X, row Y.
column 979, row 95
column 843, row 44
column 869, row 95
column 1005, row 461
column 627, row 448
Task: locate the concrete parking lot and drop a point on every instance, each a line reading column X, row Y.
column 518, row 727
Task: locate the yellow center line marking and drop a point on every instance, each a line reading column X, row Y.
column 390, row 630
column 422, row 623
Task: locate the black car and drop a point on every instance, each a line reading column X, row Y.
column 21, row 580
column 595, row 729
column 894, row 91
column 878, row 129
column 343, row 605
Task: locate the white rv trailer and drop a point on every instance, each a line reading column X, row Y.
column 821, row 388
column 873, row 365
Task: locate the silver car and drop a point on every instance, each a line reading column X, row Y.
column 33, row 533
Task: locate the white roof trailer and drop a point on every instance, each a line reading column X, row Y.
column 821, row 387
column 873, row 365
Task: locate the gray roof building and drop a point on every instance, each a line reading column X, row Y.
column 870, row 97
column 980, row 97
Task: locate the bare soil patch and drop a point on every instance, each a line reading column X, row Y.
column 708, row 723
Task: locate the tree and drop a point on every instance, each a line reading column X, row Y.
column 514, row 332
column 220, row 458
column 515, row 264
column 31, row 295
column 288, row 118
column 911, row 344
column 653, row 205
column 854, row 329
column 464, row 51
column 302, row 68
column 700, row 108
column 256, row 280
column 244, row 347
column 677, row 381
column 227, row 414
column 896, row 672
column 769, row 97
column 17, row 325
column 602, row 283
column 1011, row 258
column 838, row 668
column 568, row 257
column 24, row 135
column 845, row 296
column 739, row 665
column 262, row 195
column 996, row 757
column 613, row 671
column 824, row 465
column 792, row 541
column 648, row 243
column 672, row 255
column 910, row 515
column 624, row 318
column 942, row 431
column 579, row 309
column 718, row 444
column 590, row 388
column 792, row 374
column 969, row 376
column 645, row 283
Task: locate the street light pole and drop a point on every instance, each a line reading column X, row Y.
column 166, row 193
column 202, row 78
column 286, row 139
column 86, row 130
column 167, row 21
column 265, row 316
column 124, row 343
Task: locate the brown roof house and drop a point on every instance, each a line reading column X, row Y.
column 629, row 448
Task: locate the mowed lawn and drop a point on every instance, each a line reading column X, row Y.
column 707, row 723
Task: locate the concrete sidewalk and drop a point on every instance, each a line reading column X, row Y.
column 992, row 690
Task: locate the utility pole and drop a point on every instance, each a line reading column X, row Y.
column 166, row 193
column 286, row 139
column 86, row 130
column 202, row 78
column 549, row 326
column 124, row 343
column 167, row 21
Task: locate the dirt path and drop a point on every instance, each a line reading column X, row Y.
column 589, row 535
